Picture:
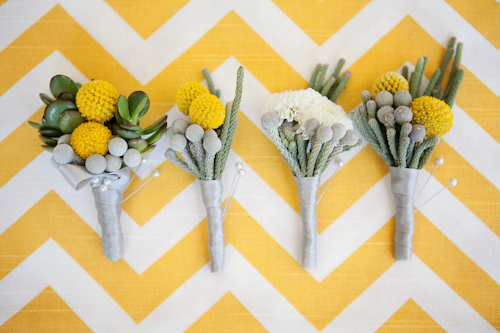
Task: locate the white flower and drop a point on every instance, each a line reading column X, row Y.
column 290, row 103
column 300, row 105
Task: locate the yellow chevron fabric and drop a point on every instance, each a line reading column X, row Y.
column 53, row 274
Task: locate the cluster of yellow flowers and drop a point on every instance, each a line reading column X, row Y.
column 390, row 81
column 432, row 113
column 203, row 108
column 96, row 101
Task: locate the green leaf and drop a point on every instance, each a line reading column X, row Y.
column 123, row 108
column 127, row 135
column 51, row 132
column 157, row 135
column 54, row 110
column 46, row 98
column 48, row 148
column 48, row 141
column 137, row 106
column 69, row 120
column 156, row 126
column 129, row 127
column 35, row 125
column 62, row 83
column 139, row 143
column 148, row 150
column 67, row 96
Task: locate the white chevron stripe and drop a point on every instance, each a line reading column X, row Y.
column 192, row 21
column 52, row 266
column 405, row 280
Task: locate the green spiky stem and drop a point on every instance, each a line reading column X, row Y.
column 321, row 164
column 285, row 154
column 366, row 96
column 292, row 148
column 419, row 149
column 409, row 152
column 175, row 160
column 454, row 70
column 228, row 131
column 416, row 78
column 391, row 140
column 384, row 150
column 301, row 153
column 432, row 82
column 285, row 143
column 196, row 149
column 311, row 160
column 425, row 156
column 186, row 156
column 459, row 76
column 288, row 132
column 342, row 83
column 312, row 81
column 371, row 109
column 446, row 60
column 405, row 72
column 365, row 130
column 338, row 68
column 404, row 142
column 209, row 166
column 217, row 93
column 328, row 85
column 210, row 82
column 436, row 93
column 321, row 77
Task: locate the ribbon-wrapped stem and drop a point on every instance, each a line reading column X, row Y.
column 307, row 188
column 211, row 192
column 403, row 182
column 108, row 203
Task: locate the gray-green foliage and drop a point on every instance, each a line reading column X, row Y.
column 334, row 85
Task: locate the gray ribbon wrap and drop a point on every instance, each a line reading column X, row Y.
column 211, row 192
column 307, row 188
column 403, row 182
column 108, row 203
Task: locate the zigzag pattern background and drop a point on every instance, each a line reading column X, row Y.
column 53, row 275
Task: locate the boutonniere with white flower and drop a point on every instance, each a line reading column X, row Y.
column 309, row 130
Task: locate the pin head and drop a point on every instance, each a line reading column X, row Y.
column 156, row 173
column 239, row 165
column 107, row 181
column 439, row 161
column 339, row 162
column 95, row 180
column 103, row 188
column 241, row 172
column 453, row 182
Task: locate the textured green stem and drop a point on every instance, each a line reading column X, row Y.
column 432, row 82
column 186, row 156
column 321, row 77
column 454, row 70
column 384, row 150
column 314, row 76
column 425, row 156
column 404, row 142
column 405, row 72
column 459, row 76
column 342, row 83
column 328, row 85
column 338, row 68
column 391, row 140
column 365, row 130
column 301, row 153
column 419, row 149
column 292, row 163
column 371, row 109
column 175, row 160
column 416, row 78
column 196, row 150
column 409, row 152
column 209, row 166
column 444, row 63
column 210, row 82
column 323, row 157
column 366, row 96
column 311, row 160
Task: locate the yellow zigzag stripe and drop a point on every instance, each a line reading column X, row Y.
column 47, row 312
column 227, row 315
column 347, row 282
column 411, row 318
column 483, row 15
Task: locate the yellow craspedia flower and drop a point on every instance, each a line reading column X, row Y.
column 432, row 113
column 390, row 81
column 96, row 100
column 90, row 138
column 188, row 93
column 207, row 111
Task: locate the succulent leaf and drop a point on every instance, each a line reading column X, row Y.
column 123, row 110
column 48, row 141
column 157, row 135
column 48, row 148
column 67, row 96
column 148, row 150
column 35, row 125
column 69, row 120
column 128, row 126
column 137, row 106
column 154, row 127
column 127, row 135
column 53, row 112
column 62, row 83
column 46, row 98
column 51, row 132
column 139, row 143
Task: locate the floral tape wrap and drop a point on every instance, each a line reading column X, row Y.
column 108, row 203
column 403, row 182
column 308, row 192
column 211, row 192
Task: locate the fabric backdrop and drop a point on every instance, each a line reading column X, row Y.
column 53, row 275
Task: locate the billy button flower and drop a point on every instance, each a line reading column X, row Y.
column 207, row 111
column 432, row 113
column 187, row 94
column 96, row 100
column 390, row 81
column 90, row 138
